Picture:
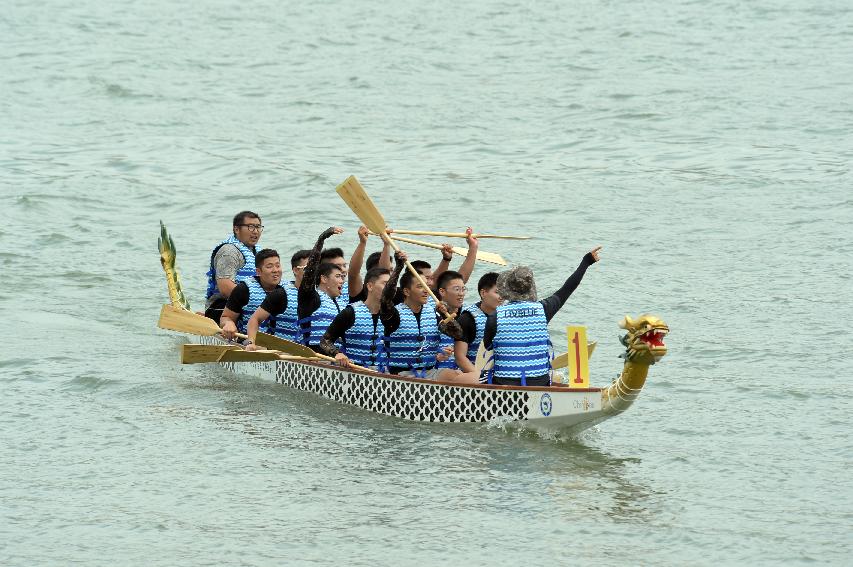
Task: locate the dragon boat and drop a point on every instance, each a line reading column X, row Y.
column 553, row 409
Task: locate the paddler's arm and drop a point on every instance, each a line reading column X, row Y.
column 356, row 261
column 444, row 265
column 385, row 257
column 467, row 267
column 342, row 323
column 309, row 276
column 275, row 303
column 553, row 303
column 387, row 310
column 238, row 299
column 226, row 262
column 460, row 347
column 490, row 330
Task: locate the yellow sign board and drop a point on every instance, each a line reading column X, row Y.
column 578, row 356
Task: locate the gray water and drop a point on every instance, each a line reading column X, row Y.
column 706, row 145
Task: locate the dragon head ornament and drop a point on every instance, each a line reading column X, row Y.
column 644, row 339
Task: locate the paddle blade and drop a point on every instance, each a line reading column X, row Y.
column 183, row 321
column 273, row 342
column 359, row 201
column 241, row 355
column 485, row 359
column 199, row 354
column 489, row 257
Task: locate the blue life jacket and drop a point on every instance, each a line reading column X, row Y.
column 480, row 322
column 314, row 326
column 521, row 343
column 244, row 273
column 414, row 344
column 445, row 341
column 287, row 326
column 364, row 341
column 257, row 294
column 343, row 299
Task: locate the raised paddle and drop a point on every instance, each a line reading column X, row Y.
column 456, row 234
column 296, row 349
column 489, row 257
column 359, row 201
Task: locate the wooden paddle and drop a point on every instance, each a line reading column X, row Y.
column 359, row 201
column 562, row 360
column 178, row 319
column 489, row 257
column 184, row 321
column 296, row 349
column 456, row 234
column 197, row 354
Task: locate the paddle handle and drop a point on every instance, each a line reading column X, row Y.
column 414, row 272
column 356, row 366
column 457, row 234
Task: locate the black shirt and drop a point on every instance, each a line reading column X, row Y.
column 275, row 303
column 239, row 297
column 468, row 323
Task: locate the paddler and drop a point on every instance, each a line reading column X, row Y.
column 319, row 293
column 473, row 322
column 412, row 329
column 517, row 331
column 232, row 261
column 282, row 303
column 248, row 295
column 357, row 289
column 359, row 325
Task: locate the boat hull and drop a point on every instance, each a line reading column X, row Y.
column 545, row 409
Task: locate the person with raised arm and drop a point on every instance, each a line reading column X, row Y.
column 319, row 292
column 517, row 332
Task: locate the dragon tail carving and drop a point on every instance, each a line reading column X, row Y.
column 167, row 258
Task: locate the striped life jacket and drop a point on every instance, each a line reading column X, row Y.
column 287, row 326
column 414, row 344
column 521, row 344
column 480, row 322
column 445, row 341
column 343, row 299
column 257, row 294
column 243, row 274
column 314, row 326
column 364, row 341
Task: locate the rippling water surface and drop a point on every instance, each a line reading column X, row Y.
column 706, row 145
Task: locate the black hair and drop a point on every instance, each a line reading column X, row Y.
column 446, row 277
column 488, row 281
column 421, row 265
column 372, row 260
column 298, row 257
column 325, row 269
column 331, row 253
column 241, row 217
column 407, row 280
column 374, row 274
column 263, row 255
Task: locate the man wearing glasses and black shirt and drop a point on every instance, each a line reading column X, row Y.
column 232, row 261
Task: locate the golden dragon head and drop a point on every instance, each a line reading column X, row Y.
column 644, row 339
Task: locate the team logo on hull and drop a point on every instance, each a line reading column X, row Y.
column 545, row 404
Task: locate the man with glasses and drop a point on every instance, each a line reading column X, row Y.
column 318, row 300
column 232, row 261
column 412, row 330
column 451, row 291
